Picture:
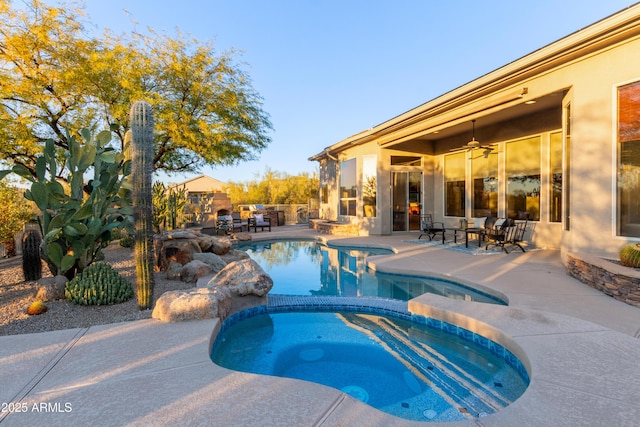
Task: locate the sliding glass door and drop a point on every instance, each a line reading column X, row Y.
column 407, row 200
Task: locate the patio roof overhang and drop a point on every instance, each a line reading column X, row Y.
column 499, row 96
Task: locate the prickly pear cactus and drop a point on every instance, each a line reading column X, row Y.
column 630, row 255
column 141, row 150
column 31, row 264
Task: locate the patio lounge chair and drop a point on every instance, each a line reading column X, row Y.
column 238, row 223
column 430, row 228
column 259, row 220
column 510, row 233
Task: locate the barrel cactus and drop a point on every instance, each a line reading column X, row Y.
column 98, row 284
column 31, row 264
column 630, row 255
column 141, row 151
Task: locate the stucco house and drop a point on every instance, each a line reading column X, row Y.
column 553, row 136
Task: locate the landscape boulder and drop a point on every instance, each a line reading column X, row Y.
column 193, row 270
column 244, row 277
column 221, row 245
column 193, row 304
column 51, row 288
column 234, row 255
column 216, row 262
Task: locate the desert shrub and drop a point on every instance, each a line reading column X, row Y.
column 630, row 255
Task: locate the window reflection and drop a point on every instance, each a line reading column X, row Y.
column 523, row 179
column 628, row 179
column 454, row 177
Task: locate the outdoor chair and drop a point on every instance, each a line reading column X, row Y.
column 238, row 223
column 259, row 220
column 512, row 233
column 430, row 228
column 498, row 233
column 224, row 225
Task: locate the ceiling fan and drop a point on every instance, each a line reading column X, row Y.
column 473, row 144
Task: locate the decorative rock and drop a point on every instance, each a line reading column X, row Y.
column 205, row 241
column 193, row 270
column 179, row 235
column 221, row 245
column 243, row 237
column 199, row 303
column 214, row 261
column 234, row 255
column 51, row 288
column 174, row 270
column 177, row 250
column 244, row 277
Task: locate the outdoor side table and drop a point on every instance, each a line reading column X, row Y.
column 477, row 231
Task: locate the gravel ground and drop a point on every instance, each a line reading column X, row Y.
column 16, row 295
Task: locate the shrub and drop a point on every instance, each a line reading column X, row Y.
column 630, row 255
column 37, row 307
column 98, row 284
column 127, row 241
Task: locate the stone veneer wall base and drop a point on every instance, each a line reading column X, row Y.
column 617, row 281
column 334, row 228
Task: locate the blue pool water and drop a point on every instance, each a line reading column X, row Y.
column 312, row 268
column 402, row 367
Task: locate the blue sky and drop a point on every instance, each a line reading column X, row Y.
column 328, row 69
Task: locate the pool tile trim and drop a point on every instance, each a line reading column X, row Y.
column 383, row 306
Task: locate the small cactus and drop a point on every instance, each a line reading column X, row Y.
column 31, row 264
column 37, row 307
column 98, row 284
column 630, row 255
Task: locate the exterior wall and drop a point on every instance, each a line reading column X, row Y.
column 587, row 77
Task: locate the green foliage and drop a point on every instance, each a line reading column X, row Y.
column 126, row 241
column 142, row 125
column 76, row 220
column 56, row 76
column 168, row 206
column 274, row 188
column 98, row 284
column 15, row 212
column 630, row 255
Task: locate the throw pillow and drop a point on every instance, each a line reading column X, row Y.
column 479, row 222
column 259, row 218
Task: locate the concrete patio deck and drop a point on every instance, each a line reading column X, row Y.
column 581, row 347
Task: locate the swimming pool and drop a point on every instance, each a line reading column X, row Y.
column 300, row 267
column 410, row 367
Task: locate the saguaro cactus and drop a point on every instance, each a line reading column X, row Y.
column 141, row 149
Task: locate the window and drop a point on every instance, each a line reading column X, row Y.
column 628, row 170
column 454, row 178
column 406, row 161
column 523, row 179
column 369, row 185
column 485, row 183
column 567, row 168
column 348, row 187
column 555, row 178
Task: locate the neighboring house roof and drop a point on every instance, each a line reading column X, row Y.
column 202, row 183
